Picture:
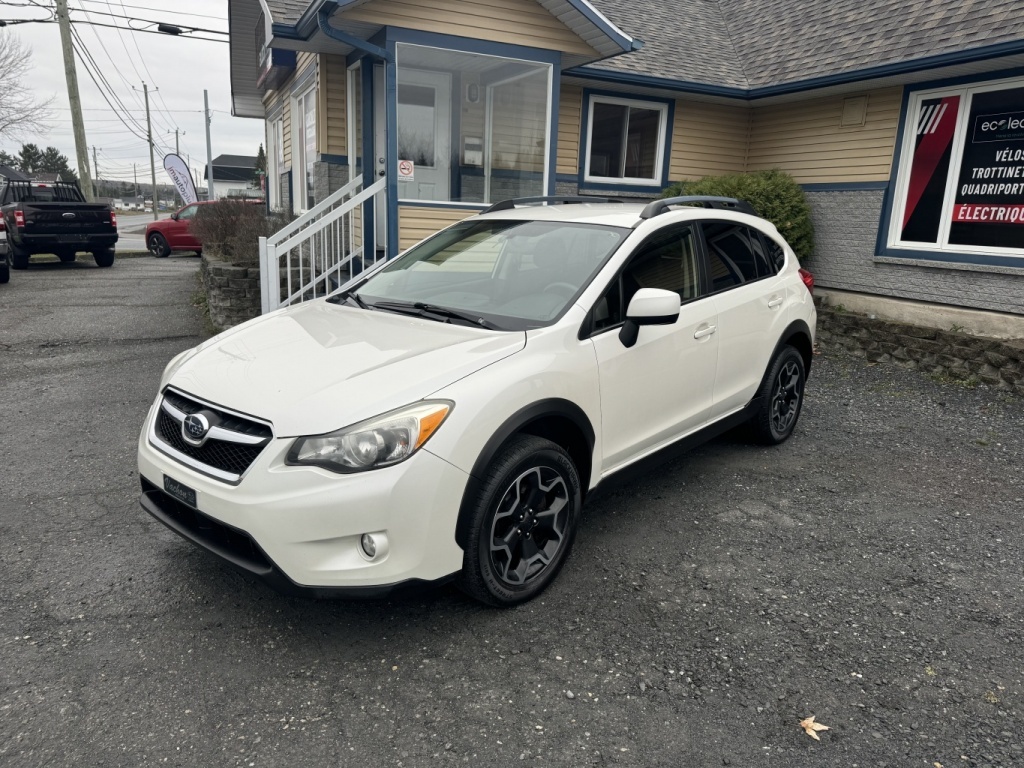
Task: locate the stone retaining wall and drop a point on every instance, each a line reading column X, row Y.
column 995, row 362
column 232, row 292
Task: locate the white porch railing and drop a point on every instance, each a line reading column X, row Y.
column 315, row 254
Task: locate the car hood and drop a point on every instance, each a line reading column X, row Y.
column 319, row 367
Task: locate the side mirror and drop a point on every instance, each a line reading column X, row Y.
column 649, row 306
column 174, row 216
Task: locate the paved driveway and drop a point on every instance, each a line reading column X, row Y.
column 867, row 572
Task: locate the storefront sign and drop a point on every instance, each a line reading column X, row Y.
column 988, row 208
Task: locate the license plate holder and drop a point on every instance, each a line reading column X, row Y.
column 180, row 491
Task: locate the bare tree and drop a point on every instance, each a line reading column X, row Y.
column 22, row 112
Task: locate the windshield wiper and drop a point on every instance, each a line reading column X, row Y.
column 420, row 309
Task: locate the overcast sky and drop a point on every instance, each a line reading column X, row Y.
column 179, row 67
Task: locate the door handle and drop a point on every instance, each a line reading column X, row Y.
column 774, row 302
column 707, row 330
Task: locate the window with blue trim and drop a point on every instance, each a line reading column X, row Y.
column 625, row 142
column 960, row 184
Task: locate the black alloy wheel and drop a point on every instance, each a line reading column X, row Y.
column 782, row 396
column 104, row 258
column 524, row 522
column 158, row 246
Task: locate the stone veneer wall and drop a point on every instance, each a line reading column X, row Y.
column 996, row 362
column 232, row 292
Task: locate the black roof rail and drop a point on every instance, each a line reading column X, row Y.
column 659, row 207
column 508, row 205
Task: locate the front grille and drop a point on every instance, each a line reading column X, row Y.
column 236, row 545
column 237, row 443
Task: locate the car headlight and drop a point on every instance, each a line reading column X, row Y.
column 377, row 442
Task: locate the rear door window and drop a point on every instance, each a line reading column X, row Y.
column 737, row 255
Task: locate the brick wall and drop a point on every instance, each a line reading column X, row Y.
column 846, row 227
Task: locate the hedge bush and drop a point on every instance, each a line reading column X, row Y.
column 230, row 230
column 774, row 195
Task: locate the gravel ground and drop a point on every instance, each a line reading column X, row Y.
column 867, row 572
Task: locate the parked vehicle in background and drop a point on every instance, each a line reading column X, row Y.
column 446, row 413
column 54, row 218
column 5, row 254
column 174, row 233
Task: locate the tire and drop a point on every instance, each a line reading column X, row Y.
column 158, row 246
column 66, row 256
column 782, row 397
column 5, row 269
column 529, row 474
column 19, row 258
column 104, row 258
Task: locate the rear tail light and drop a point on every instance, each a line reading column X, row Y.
column 19, row 218
column 808, row 279
column 113, row 220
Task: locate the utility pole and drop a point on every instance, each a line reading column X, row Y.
column 152, row 161
column 209, row 149
column 177, row 147
column 136, row 167
column 96, row 169
column 81, row 147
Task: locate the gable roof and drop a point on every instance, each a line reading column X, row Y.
column 235, row 161
column 9, row 173
column 755, row 45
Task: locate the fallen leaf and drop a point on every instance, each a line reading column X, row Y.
column 810, row 727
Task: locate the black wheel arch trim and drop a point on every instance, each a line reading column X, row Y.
column 516, row 423
column 794, row 330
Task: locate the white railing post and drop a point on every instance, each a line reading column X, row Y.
column 267, row 266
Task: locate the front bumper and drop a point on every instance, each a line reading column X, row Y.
column 299, row 528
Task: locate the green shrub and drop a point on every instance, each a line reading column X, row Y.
column 774, row 195
column 230, row 230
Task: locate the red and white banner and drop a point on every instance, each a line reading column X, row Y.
column 988, row 214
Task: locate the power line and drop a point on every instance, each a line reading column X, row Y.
column 157, row 10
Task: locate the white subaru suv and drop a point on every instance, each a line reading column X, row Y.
column 445, row 414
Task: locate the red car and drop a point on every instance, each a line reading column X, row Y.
column 174, row 234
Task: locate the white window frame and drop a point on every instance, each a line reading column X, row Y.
column 659, row 158
column 299, row 180
column 966, row 94
column 275, row 150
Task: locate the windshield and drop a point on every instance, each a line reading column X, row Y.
column 513, row 275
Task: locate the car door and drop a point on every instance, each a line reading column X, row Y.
column 178, row 234
column 750, row 299
column 661, row 388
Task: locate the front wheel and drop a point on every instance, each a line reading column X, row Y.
column 104, row 258
column 523, row 522
column 782, row 396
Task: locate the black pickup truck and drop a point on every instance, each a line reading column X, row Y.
column 54, row 218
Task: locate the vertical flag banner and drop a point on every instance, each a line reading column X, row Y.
column 181, row 177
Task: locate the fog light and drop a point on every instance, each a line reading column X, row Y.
column 369, row 546
column 374, row 545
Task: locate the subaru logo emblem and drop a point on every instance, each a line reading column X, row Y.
column 194, row 429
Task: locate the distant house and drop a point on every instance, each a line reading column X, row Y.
column 6, row 172
column 130, row 204
column 233, row 176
